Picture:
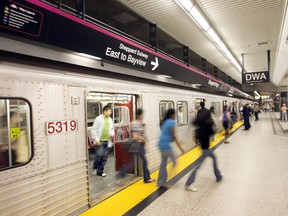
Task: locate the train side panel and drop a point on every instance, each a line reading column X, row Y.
column 55, row 181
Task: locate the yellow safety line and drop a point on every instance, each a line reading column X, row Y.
column 123, row 201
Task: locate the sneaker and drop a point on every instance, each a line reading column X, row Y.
column 101, row 174
column 149, row 181
column 94, row 172
column 191, row 188
column 219, row 179
column 165, row 186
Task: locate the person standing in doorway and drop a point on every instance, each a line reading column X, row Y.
column 225, row 122
column 101, row 133
column 212, row 111
column 233, row 113
column 168, row 127
column 204, row 122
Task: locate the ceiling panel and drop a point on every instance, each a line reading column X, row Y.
column 248, row 27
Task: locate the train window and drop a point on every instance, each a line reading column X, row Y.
column 217, row 109
column 93, row 110
column 164, row 106
column 122, row 111
column 15, row 133
column 182, row 113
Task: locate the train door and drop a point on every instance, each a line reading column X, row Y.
column 123, row 109
column 224, row 103
column 197, row 104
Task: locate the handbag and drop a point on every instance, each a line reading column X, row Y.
column 133, row 146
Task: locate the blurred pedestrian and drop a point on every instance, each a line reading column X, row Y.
column 204, row 122
column 246, row 115
column 138, row 134
column 284, row 112
column 226, row 119
column 256, row 112
column 168, row 127
column 212, row 110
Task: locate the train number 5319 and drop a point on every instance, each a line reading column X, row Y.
column 55, row 127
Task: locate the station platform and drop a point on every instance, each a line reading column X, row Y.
column 255, row 179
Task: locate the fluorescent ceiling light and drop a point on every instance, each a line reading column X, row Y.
column 89, row 56
column 257, row 93
column 199, row 18
column 223, row 47
column 166, row 76
column 213, row 35
column 186, row 4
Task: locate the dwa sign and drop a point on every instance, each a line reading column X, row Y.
column 255, row 77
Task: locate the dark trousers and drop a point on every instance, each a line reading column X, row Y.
column 129, row 165
column 101, row 156
column 256, row 115
column 206, row 153
column 246, row 122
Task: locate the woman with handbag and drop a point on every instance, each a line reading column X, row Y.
column 137, row 146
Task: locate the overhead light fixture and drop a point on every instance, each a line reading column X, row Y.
column 257, row 93
column 89, row 56
column 196, row 15
column 166, row 76
column 213, row 35
column 199, row 18
column 186, row 4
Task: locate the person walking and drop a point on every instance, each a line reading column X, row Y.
column 256, row 112
column 204, row 122
column 101, row 133
column 225, row 122
column 168, row 127
column 138, row 133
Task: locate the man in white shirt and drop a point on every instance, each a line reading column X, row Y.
column 101, row 133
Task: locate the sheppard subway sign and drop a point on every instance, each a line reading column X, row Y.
column 255, row 77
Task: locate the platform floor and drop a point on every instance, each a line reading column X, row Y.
column 255, row 179
column 255, row 170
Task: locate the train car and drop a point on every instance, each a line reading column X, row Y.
column 46, row 117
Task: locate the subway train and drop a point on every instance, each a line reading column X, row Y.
column 46, row 115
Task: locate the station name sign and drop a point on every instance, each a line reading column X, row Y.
column 131, row 56
column 255, row 77
column 38, row 21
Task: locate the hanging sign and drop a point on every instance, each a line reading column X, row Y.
column 255, row 77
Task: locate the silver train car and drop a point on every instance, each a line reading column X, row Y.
column 46, row 153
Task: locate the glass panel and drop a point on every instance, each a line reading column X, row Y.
column 15, row 140
column 169, row 45
column 217, row 109
column 93, row 110
column 116, row 15
column 163, row 107
column 182, row 114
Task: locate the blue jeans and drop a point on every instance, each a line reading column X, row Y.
column 162, row 176
column 206, row 153
column 101, row 156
